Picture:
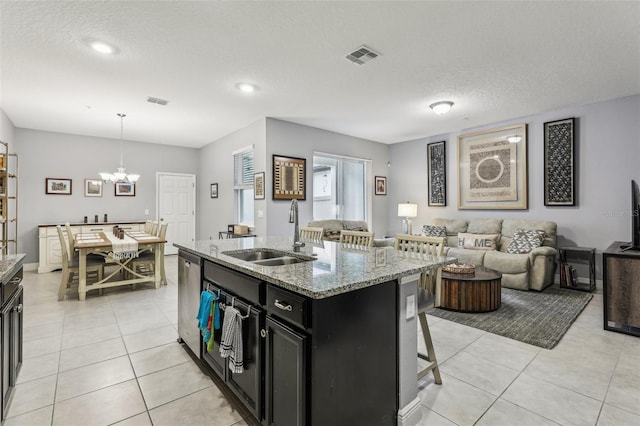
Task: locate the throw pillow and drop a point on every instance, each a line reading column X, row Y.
column 478, row 241
column 435, row 231
column 525, row 241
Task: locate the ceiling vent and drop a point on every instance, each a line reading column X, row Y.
column 362, row 55
column 157, row 100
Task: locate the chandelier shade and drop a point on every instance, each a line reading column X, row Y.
column 121, row 175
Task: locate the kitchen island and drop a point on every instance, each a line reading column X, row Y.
column 327, row 338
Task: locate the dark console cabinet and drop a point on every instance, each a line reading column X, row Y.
column 621, row 285
column 11, row 318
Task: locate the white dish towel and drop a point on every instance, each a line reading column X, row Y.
column 231, row 339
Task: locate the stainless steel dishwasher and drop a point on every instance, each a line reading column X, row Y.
column 189, row 288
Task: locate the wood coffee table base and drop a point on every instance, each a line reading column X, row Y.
column 471, row 293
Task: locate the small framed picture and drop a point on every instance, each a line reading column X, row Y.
column 93, row 188
column 214, row 190
column 125, row 189
column 258, row 186
column 381, row 185
column 57, row 186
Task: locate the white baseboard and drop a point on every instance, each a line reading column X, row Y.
column 410, row 414
column 30, row 266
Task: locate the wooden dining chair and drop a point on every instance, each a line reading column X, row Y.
column 148, row 226
column 356, row 239
column 145, row 263
column 311, row 233
column 71, row 265
column 428, row 287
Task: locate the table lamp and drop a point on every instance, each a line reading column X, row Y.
column 407, row 210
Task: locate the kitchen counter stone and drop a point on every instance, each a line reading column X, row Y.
column 337, row 269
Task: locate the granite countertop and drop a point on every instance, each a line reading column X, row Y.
column 9, row 264
column 336, row 270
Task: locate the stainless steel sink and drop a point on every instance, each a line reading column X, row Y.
column 268, row 257
column 279, row 261
column 253, row 255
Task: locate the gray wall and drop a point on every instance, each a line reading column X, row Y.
column 216, row 166
column 608, row 157
column 7, row 130
column 57, row 155
column 295, row 140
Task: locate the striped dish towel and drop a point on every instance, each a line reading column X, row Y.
column 231, row 339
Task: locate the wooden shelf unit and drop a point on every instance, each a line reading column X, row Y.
column 8, row 200
column 569, row 255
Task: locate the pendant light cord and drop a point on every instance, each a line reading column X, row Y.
column 122, row 116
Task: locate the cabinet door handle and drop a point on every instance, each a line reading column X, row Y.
column 18, row 308
column 187, row 263
column 284, row 306
column 15, row 280
column 263, row 333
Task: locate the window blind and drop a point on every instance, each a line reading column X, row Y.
column 243, row 170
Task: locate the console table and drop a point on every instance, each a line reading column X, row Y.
column 621, row 288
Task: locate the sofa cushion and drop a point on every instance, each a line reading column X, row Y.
column 525, row 241
column 509, row 227
column 474, row 257
column 478, row 241
column 435, row 231
column 332, row 228
column 485, row 226
column 355, row 225
column 453, row 226
column 507, row 263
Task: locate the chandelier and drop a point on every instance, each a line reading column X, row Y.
column 121, row 175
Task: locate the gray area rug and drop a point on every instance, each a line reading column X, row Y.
column 537, row 318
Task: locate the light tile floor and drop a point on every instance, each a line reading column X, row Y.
column 114, row 359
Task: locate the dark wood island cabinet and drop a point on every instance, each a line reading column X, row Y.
column 327, row 337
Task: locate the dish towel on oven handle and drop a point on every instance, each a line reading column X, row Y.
column 231, row 339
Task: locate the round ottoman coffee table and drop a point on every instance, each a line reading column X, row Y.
column 477, row 292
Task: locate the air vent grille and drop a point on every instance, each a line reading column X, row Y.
column 157, row 100
column 362, row 55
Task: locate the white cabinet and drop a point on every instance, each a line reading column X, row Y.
column 50, row 256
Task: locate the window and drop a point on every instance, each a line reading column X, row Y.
column 339, row 188
column 243, row 185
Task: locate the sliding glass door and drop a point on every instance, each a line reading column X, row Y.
column 339, row 188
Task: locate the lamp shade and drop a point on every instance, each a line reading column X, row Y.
column 407, row 210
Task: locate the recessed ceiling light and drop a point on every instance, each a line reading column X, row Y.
column 441, row 107
column 102, row 47
column 246, row 87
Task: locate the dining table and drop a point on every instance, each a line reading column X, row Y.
column 118, row 251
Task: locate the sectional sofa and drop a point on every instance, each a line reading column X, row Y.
column 533, row 270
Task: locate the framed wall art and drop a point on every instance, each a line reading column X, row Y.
column 125, row 189
column 492, row 169
column 559, row 163
column 58, row 186
column 93, row 188
column 437, row 174
column 258, row 186
column 214, row 190
column 381, row 185
column 289, row 182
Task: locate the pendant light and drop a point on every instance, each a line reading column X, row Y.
column 121, row 175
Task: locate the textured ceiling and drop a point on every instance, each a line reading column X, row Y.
column 495, row 60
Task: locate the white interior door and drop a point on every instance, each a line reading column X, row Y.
column 176, row 206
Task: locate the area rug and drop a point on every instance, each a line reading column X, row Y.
column 537, row 318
